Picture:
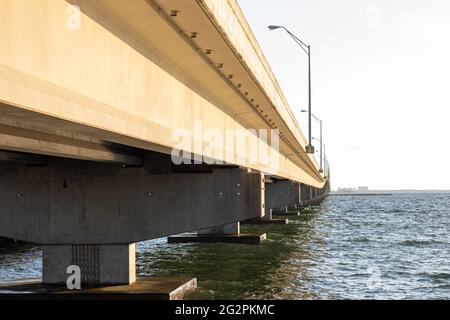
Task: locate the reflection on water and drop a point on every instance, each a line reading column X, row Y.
column 387, row 247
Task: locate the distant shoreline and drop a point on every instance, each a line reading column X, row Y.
column 359, row 194
column 388, row 192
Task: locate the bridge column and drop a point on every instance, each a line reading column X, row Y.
column 305, row 194
column 100, row 265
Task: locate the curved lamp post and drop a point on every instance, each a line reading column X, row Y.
column 307, row 48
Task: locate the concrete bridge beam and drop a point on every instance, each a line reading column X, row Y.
column 281, row 194
column 80, row 202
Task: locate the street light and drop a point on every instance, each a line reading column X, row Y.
column 307, row 48
column 321, row 139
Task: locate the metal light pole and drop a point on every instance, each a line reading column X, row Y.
column 321, row 140
column 307, row 48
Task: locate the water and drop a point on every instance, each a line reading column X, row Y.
column 386, row 247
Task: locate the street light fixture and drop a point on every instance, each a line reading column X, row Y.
column 321, row 139
column 307, row 48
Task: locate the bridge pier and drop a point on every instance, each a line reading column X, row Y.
column 100, row 265
column 306, row 194
column 90, row 214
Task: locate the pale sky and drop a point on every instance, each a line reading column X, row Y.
column 381, row 83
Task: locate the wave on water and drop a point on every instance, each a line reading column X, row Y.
column 417, row 242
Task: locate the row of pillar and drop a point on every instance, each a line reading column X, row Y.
column 282, row 197
column 115, row 264
column 91, row 214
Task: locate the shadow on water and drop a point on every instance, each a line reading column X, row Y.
column 228, row 271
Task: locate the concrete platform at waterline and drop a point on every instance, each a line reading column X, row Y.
column 230, row 233
column 266, row 220
column 225, row 238
column 261, row 221
column 143, row 289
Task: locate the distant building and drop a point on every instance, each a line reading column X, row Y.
column 346, row 190
column 363, row 189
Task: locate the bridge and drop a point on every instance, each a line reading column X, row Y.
column 95, row 96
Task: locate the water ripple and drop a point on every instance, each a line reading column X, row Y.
column 388, row 247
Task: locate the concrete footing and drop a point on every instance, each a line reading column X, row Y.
column 266, row 220
column 143, row 288
column 287, row 212
column 229, row 233
column 262, row 221
column 296, row 207
column 216, row 238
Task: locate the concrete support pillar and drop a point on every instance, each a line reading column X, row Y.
column 306, row 194
column 300, row 194
column 268, row 215
column 100, row 265
column 228, row 229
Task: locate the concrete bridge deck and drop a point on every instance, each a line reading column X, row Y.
column 133, row 73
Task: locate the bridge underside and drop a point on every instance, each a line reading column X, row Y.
column 87, row 117
column 81, row 202
column 91, row 214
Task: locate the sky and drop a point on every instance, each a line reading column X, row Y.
column 380, row 83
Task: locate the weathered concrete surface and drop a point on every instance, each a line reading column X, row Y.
column 99, row 264
column 143, row 288
column 80, row 202
column 281, row 193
